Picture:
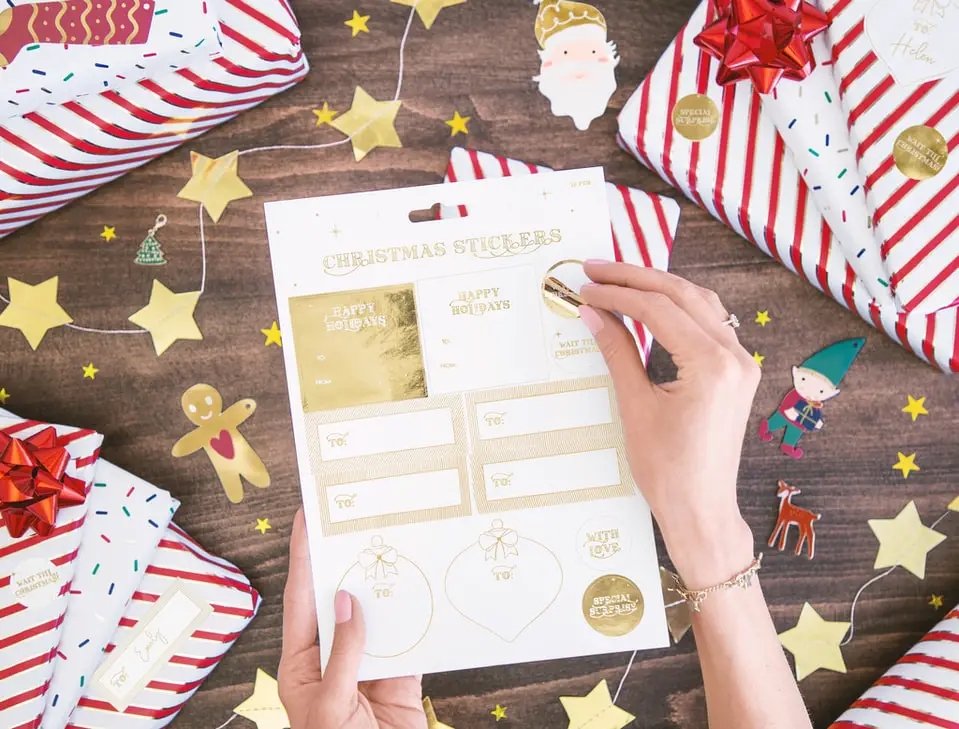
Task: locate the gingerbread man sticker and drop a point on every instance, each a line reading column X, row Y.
column 216, row 433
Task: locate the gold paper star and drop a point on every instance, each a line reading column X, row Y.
column 596, row 710
column 357, row 23
column 936, row 601
column 108, row 233
column 90, row 372
column 904, row 541
column 907, row 464
column 369, row 124
column 215, row 183
column 431, row 721
column 428, row 9
column 272, row 336
column 324, row 115
column 763, row 318
column 916, row 407
column 954, row 506
column 168, row 317
column 499, row 712
column 262, row 525
column 33, row 309
column 4, row 396
column 679, row 617
column 458, row 124
column 815, row 643
column 263, row 708
column 759, row 358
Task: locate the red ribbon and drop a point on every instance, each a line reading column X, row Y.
column 34, row 483
column 763, row 40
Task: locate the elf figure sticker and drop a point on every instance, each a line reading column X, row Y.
column 814, row 381
column 577, row 62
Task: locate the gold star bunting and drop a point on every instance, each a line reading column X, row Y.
column 215, row 183
column 596, row 710
column 815, row 643
column 4, row 396
column 263, row 708
column 679, row 617
column 272, row 336
column 904, row 541
column 357, row 23
column 108, row 233
column 262, row 525
column 936, row 601
column 759, row 358
column 428, row 9
column 33, row 309
column 954, row 506
column 369, row 124
column 916, row 407
column 324, row 115
column 499, row 712
column 168, row 317
column 763, row 318
column 458, row 124
column 907, row 464
column 431, row 721
column 90, row 372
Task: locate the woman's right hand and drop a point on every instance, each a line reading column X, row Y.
column 683, row 437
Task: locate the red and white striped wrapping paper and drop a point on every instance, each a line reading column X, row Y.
column 644, row 225
column 56, row 154
column 918, row 220
column 921, row 690
column 234, row 604
column 744, row 176
column 29, row 636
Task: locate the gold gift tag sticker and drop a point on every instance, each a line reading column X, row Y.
column 560, row 298
column 920, row 152
column 695, row 117
column 613, row 605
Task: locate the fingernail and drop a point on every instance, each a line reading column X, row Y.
column 589, row 285
column 596, row 261
column 342, row 607
column 591, row 319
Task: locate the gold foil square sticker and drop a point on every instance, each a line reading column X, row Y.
column 358, row 347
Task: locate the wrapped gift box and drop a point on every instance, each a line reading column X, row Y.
column 163, row 73
column 743, row 175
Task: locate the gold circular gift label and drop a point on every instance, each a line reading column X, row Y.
column 695, row 117
column 613, row 605
column 558, row 297
column 920, row 152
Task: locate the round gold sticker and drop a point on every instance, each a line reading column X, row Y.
column 613, row 605
column 695, row 117
column 920, row 152
column 560, row 295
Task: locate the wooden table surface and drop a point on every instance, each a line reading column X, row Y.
column 478, row 59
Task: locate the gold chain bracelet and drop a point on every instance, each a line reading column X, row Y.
column 743, row 579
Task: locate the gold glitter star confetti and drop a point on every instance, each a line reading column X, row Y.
column 108, row 233
column 168, row 317
column 763, row 318
column 428, row 9
column 815, row 643
column 263, row 708
column 272, row 336
column 499, row 712
column 325, row 115
column 759, row 358
column 904, row 541
column 936, row 601
column 4, row 396
column 262, row 525
column 906, row 464
column 357, row 23
column 916, row 407
column 33, row 309
column 431, row 721
column 215, row 183
column 458, row 124
column 90, row 372
column 596, row 710
column 369, row 124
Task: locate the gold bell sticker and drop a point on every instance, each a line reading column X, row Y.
column 558, row 290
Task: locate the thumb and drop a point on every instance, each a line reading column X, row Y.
column 349, row 641
column 619, row 350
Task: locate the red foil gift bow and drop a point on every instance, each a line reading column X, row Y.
column 34, row 483
column 763, row 40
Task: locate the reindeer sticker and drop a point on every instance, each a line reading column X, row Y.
column 789, row 515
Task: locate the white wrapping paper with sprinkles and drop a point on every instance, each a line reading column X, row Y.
column 35, row 573
column 734, row 164
column 126, row 519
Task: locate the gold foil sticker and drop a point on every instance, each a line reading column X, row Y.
column 560, row 298
column 357, row 347
column 920, row 152
column 695, row 117
column 613, row 605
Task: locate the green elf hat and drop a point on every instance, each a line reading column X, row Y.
column 834, row 361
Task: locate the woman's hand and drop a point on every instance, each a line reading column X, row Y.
column 684, row 437
column 336, row 700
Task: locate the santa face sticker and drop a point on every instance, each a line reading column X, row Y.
column 577, row 62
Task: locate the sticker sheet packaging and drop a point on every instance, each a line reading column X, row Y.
column 921, row 690
column 91, row 93
column 897, row 66
column 36, row 569
column 737, row 166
